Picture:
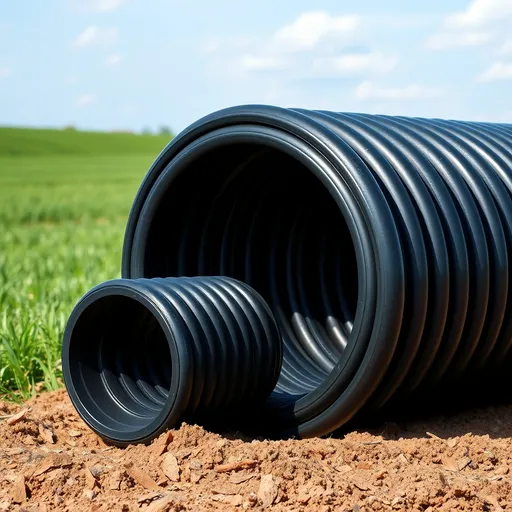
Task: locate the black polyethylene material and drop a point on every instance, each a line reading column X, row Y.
column 140, row 355
column 382, row 245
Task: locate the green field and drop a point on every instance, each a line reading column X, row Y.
column 64, row 199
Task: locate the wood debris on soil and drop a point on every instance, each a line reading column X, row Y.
column 15, row 418
column 50, row 460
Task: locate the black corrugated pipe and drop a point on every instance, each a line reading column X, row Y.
column 382, row 245
column 140, row 355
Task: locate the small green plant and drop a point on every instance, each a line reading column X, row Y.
column 62, row 219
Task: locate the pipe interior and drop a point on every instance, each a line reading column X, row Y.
column 257, row 214
column 121, row 362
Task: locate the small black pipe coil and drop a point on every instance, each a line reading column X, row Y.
column 382, row 245
column 140, row 355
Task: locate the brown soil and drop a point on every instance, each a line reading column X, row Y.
column 49, row 460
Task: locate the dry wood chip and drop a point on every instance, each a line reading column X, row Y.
column 15, row 418
column 162, row 480
column 142, row 478
column 267, row 491
column 46, row 434
column 229, row 489
column 90, row 481
column 55, row 460
column 360, row 484
column 15, row 451
column 463, row 462
column 237, row 478
column 433, row 436
column 345, row 468
column 170, row 467
column 74, row 433
column 161, row 505
column 19, row 490
column 236, row 466
column 160, row 445
column 234, row 499
column 452, row 443
column 456, row 465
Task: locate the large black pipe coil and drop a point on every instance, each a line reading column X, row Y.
column 382, row 245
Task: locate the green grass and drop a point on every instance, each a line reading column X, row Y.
column 64, row 200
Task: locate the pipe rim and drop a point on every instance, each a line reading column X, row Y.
column 171, row 411
column 380, row 265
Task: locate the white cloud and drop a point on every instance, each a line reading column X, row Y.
column 368, row 90
column 355, row 64
column 480, row 13
column 94, row 35
column 456, row 39
column 481, row 22
column 104, row 5
column 5, row 72
column 114, row 60
column 86, row 100
column 314, row 45
column 498, row 71
column 262, row 63
column 310, row 28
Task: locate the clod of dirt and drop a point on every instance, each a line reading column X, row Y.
column 46, row 434
column 236, row 466
column 163, row 505
column 170, row 467
column 267, row 491
column 367, row 470
column 19, row 490
column 55, row 460
column 142, row 478
column 159, row 446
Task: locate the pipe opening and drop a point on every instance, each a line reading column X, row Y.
column 120, row 362
column 259, row 215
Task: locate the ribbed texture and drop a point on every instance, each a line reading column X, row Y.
column 382, row 245
column 234, row 343
column 141, row 355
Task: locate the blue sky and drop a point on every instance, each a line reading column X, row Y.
column 128, row 64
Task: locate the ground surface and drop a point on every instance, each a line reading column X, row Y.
column 49, row 460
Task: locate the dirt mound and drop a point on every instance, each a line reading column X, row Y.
column 50, row 460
